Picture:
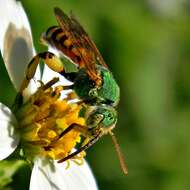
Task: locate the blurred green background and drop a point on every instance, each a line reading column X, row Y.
column 146, row 44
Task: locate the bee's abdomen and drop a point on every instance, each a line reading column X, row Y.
column 59, row 39
column 54, row 34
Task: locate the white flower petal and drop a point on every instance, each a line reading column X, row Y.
column 15, row 40
column 8, row 138
column 57, row 177
column 49, row 74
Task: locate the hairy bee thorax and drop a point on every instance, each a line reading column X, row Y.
column 43, row 118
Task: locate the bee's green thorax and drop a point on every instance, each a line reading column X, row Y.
column 109, row 91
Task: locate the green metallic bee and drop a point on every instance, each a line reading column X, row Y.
column 93, row 82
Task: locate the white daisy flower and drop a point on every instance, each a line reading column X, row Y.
column 32, row 124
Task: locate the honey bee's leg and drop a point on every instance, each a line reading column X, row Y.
column 51, row 60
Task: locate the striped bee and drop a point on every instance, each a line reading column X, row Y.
column 93, row 82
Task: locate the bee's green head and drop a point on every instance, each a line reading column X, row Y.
column 101, row 116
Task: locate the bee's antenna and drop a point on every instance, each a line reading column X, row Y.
column 119, row 153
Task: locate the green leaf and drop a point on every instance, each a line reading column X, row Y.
column 8, row 170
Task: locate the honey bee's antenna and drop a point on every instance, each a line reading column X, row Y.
column 119, row 153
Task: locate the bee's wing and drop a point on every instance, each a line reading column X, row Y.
column 85, row 47
column 87, row 42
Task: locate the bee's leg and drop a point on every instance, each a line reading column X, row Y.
column 74, row 126
column 51, row 60
column 77, row 127
column 93, row 140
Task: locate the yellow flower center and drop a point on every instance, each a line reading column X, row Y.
column 43, row 118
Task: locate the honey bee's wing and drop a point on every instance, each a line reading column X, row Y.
column 84, row 47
